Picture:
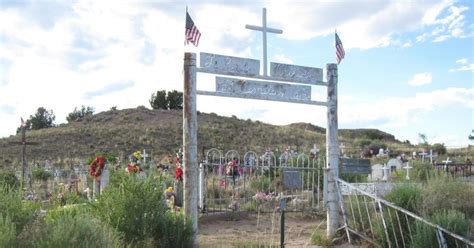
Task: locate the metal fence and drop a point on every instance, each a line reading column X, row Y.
column 386, row 225
column 253, row 182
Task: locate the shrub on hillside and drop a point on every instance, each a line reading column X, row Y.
column 76, row 228
column 8, row 178
column 137, row 210
column 12, row 205
column 407, row 197
column 437, row 190
column 452, row 220
column 7, row 232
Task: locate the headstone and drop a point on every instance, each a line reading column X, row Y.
column 381, row 152
column 104, row 179
column 395, row 164
column 377, row 172
column 355, row 166
column 292, row 179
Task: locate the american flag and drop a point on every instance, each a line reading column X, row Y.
column 192, row 32
column 339, row 50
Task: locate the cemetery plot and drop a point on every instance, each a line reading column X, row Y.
column 257, row 183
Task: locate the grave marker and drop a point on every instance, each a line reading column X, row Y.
column 408, row 167
column 24, row 143
column 355, row 166
column 292, row 179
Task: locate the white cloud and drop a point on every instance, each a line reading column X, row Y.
column 421, row 79
column 282, row 58
column 465, row 66
column 462, row 61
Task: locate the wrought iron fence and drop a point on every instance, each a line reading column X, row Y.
column 231, row 182
column 384, row 224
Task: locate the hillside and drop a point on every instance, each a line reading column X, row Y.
column 160, row 132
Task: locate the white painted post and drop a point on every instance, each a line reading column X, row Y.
column 201, row 186
column 190, row 143
column 386, row 171
column 332, row 154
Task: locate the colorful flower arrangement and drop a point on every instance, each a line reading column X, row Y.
column 96, row 166
column 263, row 197
column 134, row 165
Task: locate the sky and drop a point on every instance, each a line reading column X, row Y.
column 408, row 67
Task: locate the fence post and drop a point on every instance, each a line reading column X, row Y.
column 332, row 151
column 190, row 143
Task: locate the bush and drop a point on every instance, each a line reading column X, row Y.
column 137, row 210
column 79, row 115
column 7, row 232
column 41, row 174
column 438, row 190
column 451, row 220
column 75, row 228
column 407, row 197
column 20, row 212
column 8, row 178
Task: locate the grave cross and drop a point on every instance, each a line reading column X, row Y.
column 264, row 30
column 446, row 162
column 407, row 167
column 145, row 156
column 423, row 154
column 24, row 143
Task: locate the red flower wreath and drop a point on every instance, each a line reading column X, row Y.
column 96, row 167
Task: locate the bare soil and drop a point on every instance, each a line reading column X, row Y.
column 244, row 230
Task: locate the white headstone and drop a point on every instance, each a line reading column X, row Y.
column 386, row 173
column 104, row 179
column 395, row 163
column 377, row 172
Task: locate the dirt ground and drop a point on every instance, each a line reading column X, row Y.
column 244, row 230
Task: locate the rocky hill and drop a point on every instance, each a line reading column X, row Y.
column 160, row 132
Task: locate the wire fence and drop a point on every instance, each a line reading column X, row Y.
column 386, row 225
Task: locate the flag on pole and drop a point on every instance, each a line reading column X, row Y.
column 339, row 50
column 23, row 124
column 192, row 33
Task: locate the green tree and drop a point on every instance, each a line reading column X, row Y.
column 439, row 148
column 42, row 119
column 158, row 100
column 175, row 99
column 78, row 115
column 423, row 139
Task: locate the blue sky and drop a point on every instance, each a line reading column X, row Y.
column 408, row 67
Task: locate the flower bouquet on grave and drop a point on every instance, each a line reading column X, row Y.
column 134, row 166
column 262, row 198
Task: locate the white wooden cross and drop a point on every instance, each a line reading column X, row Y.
column 446, row 162
column 408, row 167
column 431, row 156
column 264, row 30
column 423, row 154
column 145, row 156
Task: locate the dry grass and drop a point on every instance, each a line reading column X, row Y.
column 160, row 132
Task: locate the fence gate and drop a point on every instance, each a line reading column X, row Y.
column 230, row 181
